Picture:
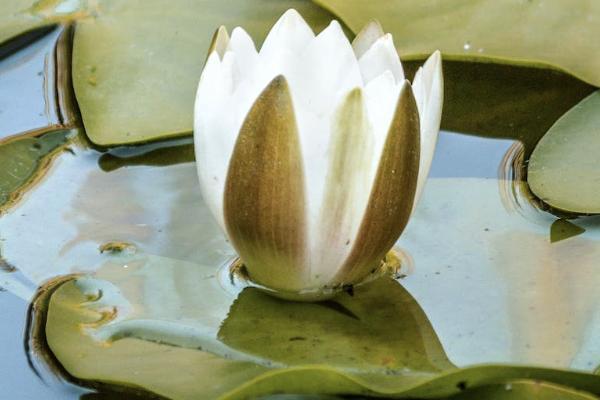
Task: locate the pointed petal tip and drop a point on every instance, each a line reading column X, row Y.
column 435, row 60
column 368, row 35
column 279, row 81
column 219, row 42
column 334, row 24
column 292, row 17
column 375, row 26
column 291, row 13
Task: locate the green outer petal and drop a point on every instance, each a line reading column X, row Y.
column 349, row 175
column 546, row 34
column 264, row 205
column 392, row 194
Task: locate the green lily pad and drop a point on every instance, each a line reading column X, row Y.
column 563, row 169
column 478, row 30
column 100, row 334
column 524, row 390
column 136, row 65
column 24, row 160
column 21, row 16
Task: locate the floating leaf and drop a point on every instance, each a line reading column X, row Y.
column 562, row 229
column 24, row 160
column 99, row 333
column 477, row 30
column 524, row 390
column 563, row 169
column 25, row 16
column 136, row 65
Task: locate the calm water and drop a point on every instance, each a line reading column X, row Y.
column 478, row 257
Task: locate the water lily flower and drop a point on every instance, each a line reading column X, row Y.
column 313, row 151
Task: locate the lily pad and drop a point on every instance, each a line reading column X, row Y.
column 136, row 65
column 24, row 160
column 524, row 390
column 563, row 169
column 100, row 334
column 477, row 30
column 25, row 16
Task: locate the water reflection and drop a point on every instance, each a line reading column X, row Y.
column 487, row 267
column 35, row 89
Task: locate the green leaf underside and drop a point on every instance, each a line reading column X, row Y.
column 24, row 159
column 194, row 373
column 563, row 169
column 477, row 30
column 137, row 65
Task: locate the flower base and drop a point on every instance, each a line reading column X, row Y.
column 237, row 278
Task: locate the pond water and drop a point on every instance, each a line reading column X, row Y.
column 478, row 257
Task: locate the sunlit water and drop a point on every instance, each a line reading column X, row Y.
column 493, row 287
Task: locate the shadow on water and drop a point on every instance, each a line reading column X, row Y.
column 502, row 101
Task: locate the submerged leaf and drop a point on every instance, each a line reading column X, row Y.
column 477, row 30
column 564, row 170
column 24, row 160
column 562, row 229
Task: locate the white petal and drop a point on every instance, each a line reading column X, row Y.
column 366, row 37
column 246, row 56
column 419, row 90
column 381, row 57
column 329, row 70
column 430, row 98
column 289, row 36
column 220, row 41
column 349, row 175
column 381, row 96
column 214, row 135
